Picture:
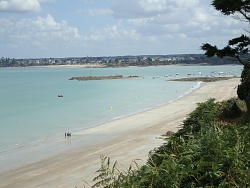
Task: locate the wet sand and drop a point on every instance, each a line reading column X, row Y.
column 123, row 140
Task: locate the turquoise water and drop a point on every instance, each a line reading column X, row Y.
column 31, row 110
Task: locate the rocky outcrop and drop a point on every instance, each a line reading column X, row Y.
column 202, row 79
column 85, row 78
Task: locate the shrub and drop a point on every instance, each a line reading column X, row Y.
column 230, row 109
column 204, row 153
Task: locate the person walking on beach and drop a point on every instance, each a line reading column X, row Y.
column 69, row 134
column 65, row 134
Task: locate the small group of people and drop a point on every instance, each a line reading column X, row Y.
column 67, row 135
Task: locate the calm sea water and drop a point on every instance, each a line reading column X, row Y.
column 31, row 110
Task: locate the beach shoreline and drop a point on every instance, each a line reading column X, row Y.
column 100, row 65
column 124, row 140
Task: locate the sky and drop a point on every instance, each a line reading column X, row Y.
column 80, row 28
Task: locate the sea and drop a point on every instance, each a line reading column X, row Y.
column 33, row 117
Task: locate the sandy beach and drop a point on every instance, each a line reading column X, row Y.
column 122, row 140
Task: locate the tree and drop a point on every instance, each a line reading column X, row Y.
column 237, row 47
column 238, row 8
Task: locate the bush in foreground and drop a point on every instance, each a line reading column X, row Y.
column 211, row 150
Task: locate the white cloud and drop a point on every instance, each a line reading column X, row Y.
column 152, row 5
column 95, row 12
column 137, row 27
column 45, row 1
column 37, row 37
column 19, row 6
column 171, row 17
column 114, row 33
column 42, row 30
column 130, row 9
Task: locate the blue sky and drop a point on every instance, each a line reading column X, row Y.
column 79, row 28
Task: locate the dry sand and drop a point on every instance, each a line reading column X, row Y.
column 123, row 140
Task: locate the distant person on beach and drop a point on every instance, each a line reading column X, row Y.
column 65, row 134
column 68, row 135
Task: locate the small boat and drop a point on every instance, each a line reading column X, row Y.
column 220, row 73
column 60, row 95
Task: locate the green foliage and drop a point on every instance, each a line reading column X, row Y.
column 236, row 48
column 204, row 153
column 243, row 90
column 110, row 176
column 204, row 113
column 230, row 7
column 230, row 109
